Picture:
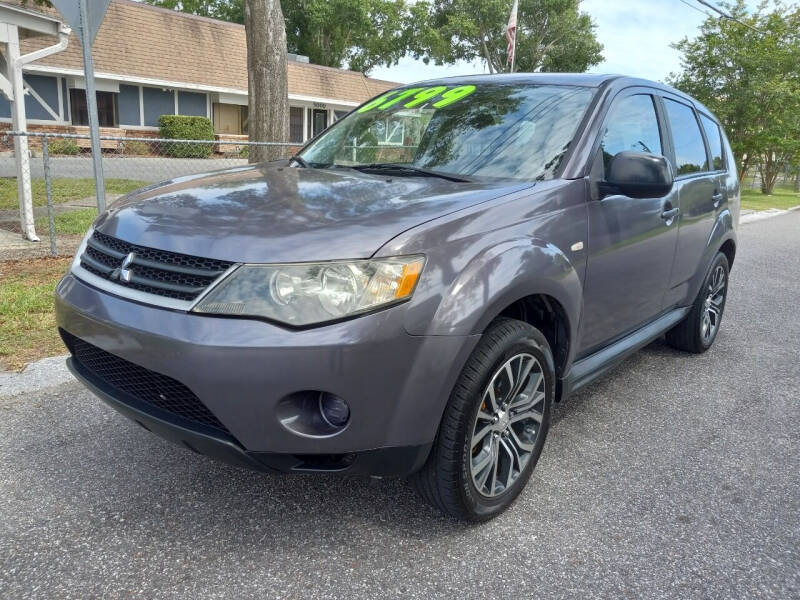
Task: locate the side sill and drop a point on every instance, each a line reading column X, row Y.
column 593, row 366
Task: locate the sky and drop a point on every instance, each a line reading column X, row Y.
column 636, row 35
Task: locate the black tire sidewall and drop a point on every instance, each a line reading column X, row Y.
column 719, row 259
column 523, row 339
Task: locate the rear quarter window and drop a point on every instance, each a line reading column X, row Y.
column 690, row 151
column 714, row 138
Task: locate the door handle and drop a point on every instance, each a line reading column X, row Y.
column 717, row 198
column 669, row 215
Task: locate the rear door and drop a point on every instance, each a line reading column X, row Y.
column 698, row 182
column 632, row 241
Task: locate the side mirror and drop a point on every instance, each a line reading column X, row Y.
column 638, row 175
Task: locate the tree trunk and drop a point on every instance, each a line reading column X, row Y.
column 268, row 98
column 797, row 183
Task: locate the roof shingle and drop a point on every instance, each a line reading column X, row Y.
column 139, row 40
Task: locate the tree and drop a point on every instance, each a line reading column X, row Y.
column 268, row 97
column 552, row 35
column 225, row 10
column 748, row 77
column 361, row 34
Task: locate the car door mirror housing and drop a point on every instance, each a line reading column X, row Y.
column 638, row 175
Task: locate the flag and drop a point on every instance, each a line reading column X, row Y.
column 511, row 33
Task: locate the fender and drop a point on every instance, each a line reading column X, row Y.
column 722, row 231
column 502, row 274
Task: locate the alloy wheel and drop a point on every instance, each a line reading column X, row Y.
column 713, row 304
column 507, row 424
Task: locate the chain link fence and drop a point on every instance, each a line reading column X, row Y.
column 62, row 177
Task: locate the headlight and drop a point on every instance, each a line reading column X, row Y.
column 309, row 293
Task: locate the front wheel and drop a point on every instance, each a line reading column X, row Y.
column 494, row 425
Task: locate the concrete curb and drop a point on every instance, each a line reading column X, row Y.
column 35, row 377
column 760, row 215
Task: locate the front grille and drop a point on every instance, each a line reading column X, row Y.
column 146, row 386
column 168, row 274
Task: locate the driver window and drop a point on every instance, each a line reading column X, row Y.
column 631, row 125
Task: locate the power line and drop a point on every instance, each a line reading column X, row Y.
column 692, row 6
column 725, row 15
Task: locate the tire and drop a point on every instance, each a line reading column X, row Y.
column 692, row 334
column 450, row 478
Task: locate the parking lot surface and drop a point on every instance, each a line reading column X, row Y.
column 675, row 476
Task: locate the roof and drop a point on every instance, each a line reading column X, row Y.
column 606, row 81
column 580, row 79
column 141, row 41
column 30, row 23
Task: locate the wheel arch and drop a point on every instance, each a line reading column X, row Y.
column 548, row 316
column 728, row 248
column 526, row 279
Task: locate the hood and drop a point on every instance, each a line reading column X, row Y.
column 275, row 213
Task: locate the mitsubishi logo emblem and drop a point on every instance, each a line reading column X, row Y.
column 123, row 273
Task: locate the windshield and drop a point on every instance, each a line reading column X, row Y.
column 502, row 131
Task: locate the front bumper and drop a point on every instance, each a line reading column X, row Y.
column 396, row 384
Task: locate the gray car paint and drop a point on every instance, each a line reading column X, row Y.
column 487, row 245
column 274, row 213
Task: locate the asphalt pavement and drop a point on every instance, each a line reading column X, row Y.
column 675, row 476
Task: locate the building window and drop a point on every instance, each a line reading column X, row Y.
column 340, row 114
column 106, row 108
column 296, row 124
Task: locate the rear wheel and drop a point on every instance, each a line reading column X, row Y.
column 697, row 332
column 494, row 425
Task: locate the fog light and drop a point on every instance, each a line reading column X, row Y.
column 335, row 411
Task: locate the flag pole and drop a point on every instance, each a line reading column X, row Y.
column 514, row 55
column 511, row 36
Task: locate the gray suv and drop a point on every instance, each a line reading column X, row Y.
column 410, row 293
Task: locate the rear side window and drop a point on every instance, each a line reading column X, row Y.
column 632, row 125
column 714, row 142
column 690, row 151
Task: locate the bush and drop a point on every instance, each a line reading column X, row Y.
column 181, row 127
column 137, row 148
column 244, row 152
column 63, row 146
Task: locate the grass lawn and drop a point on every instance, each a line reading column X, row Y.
column 27, row 321
column 74, row 222
column 780, row 198
column 63, row 190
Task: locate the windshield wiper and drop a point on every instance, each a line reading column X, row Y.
column 408, row 169
column 299, row 160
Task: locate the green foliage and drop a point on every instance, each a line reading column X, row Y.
column 64, row 189
column 73, row 222
column 751, row 81
column 137, row 148
column 780, row 198
column 361, row 34
column 182, row 127
column 552, row 35
column 63, row 146
column 244, row 152
column 27, row 320
column 225, row 10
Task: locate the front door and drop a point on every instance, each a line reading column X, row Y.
column 631, row 242
column 320, row 121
